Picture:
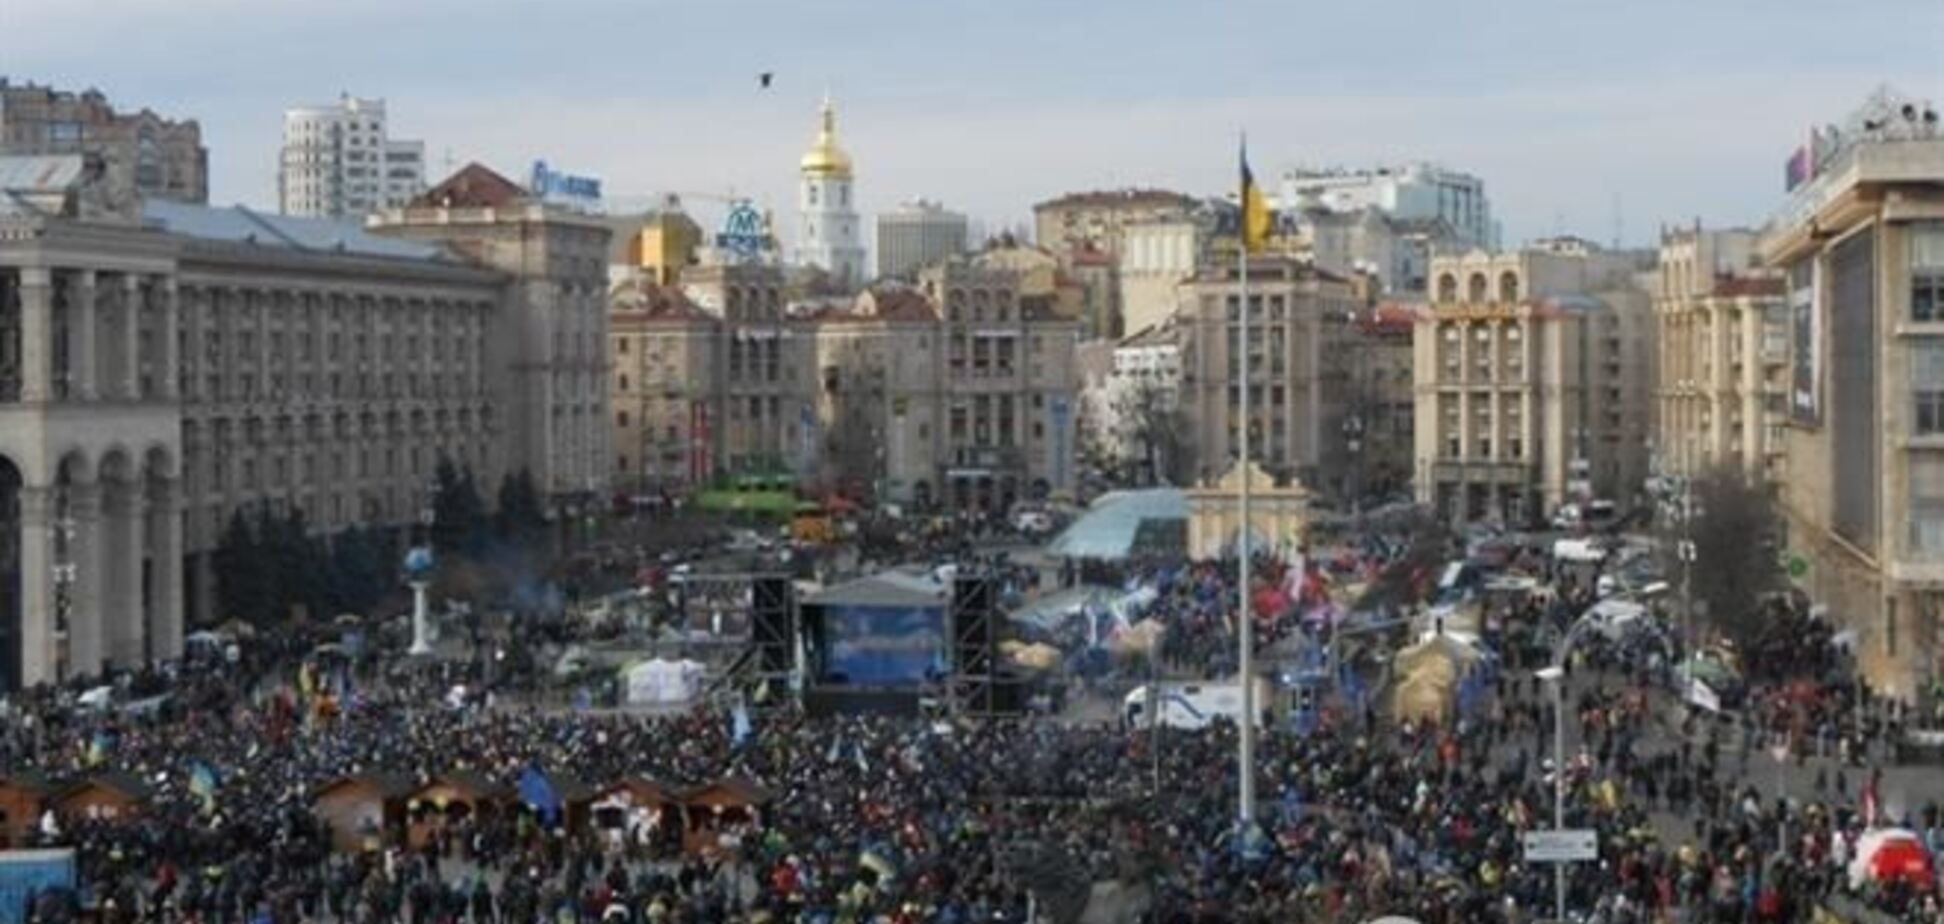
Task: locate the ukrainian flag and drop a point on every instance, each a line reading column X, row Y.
column 1255, row 209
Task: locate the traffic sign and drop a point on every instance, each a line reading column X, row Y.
column 1562, row 845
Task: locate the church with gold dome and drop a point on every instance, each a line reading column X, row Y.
column 830, row 236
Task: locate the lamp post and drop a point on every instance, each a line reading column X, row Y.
column 1555, row 674
column 65, row 573
column 418, row 573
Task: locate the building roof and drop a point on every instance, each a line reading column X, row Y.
column 242, row 225
column 1109, row 528
column 474, row 186
column 1388, row 318
column 644, row 301
column 1105, row 198
column 40, row 173
column 886, row 588
column 1162, row 334
column 389, row 786
column 1748, row 286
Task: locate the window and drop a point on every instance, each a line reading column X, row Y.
column 624, row 383
column 621, row 418
column 1927, row 387
column 1927, row 272
column 622, row 345
column 1927, row 504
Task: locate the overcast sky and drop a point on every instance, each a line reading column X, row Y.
column 1671, row 110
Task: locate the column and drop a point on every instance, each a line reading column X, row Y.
column 165, row 569
column 133, row 298
column 81, row 337
column 169, row 362
column 36, row 333
column 37, row 664
column 123, row 620
column 84, row 607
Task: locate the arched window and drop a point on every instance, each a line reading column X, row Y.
column 1477, row 289
column 1508, row 287
column 1447, row 288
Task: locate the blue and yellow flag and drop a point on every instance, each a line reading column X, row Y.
column 1255, row 209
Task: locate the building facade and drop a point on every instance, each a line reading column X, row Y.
column 340, row 161
column 1156, row 257
column 1722, row 331
column 664, row 389
column 1533, row 387
column 1380, row 414
column 142, row 153
column 915, row 235
column 169, row 367
column 1861, row 244
column 1408, row 193
column 550, row 342
column 829, row 233
column 759, row 422
column 1297, row 367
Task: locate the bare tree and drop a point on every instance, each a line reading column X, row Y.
column 1155, row 434
column 1733, row 526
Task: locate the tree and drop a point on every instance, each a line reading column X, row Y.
column 359, row 574
column 458, row 512
column 240, row 582
column 1733, row 526
column 1156, row 434
column 522, row 518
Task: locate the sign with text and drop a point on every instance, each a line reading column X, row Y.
column 582, row 193
column 1562, row 845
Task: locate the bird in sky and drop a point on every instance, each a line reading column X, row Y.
column 763, row 79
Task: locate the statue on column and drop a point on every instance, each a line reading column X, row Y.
column 418, row 573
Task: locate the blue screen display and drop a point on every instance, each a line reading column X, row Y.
column 883, row 646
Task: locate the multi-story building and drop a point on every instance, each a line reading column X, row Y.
column 887, row 393
column 173, row 365
column 1095, row 220
column 550, row 343
column 1534, row 387
column 655, row 245
column 1723, row 337
column 759, row 422
column 664, row 351
column 1008, row 387
column 1133, row 408
column 1861, row 244
column 829, row 235
column 915, row 235
column 1408, row 193
column 1380, row 400
column 1043, row 280
column 142, row 153
column 339, row 161
column 1296, row 373
column 1156, row 257
column 1351, row 242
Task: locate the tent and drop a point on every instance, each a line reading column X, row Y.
column 659, row 682
column 1888, row 854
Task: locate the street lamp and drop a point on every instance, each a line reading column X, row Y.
column 1555, row 674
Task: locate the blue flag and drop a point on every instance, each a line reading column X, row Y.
column 739, row 725
column 538, row 792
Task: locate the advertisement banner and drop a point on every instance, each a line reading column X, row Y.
column 1806, row 343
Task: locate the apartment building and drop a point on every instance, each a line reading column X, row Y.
column 1722, row 332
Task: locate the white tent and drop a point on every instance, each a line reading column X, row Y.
column 659, row 682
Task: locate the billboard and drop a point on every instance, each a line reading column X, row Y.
column 1805, row 344
column 883, row 645
column 582, row 193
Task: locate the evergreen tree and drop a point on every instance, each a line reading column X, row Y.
column 240, row 584
column 458, row 512
column 522, row 517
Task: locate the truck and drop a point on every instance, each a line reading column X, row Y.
column 25, row 874
column 1193, row 706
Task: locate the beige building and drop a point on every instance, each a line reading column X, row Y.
column 1088, row 233
column 1380, row 401
column 1156, row 257
column 549, row 347
column 1296, row 372
column 1723, row 335
column 664, row 394
column 164, row 370
column 1862, row 245
column 144, row 154
column 887, row 393
column 1533, row 373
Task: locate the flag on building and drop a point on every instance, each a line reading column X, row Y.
column 1255, row 209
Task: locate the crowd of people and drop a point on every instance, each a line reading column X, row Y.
column 914, row 820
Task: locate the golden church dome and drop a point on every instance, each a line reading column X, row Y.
column 825, row 158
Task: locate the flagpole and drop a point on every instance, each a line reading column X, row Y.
column 1245, row 623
